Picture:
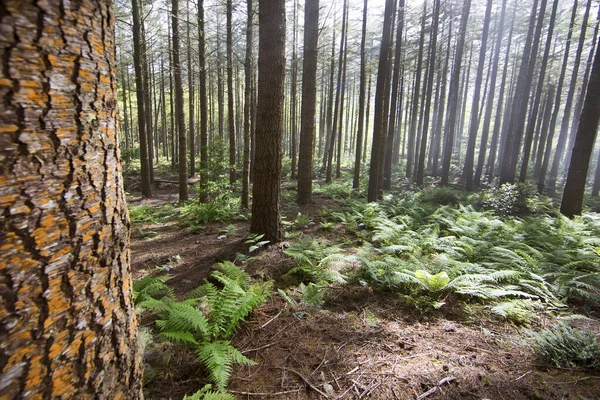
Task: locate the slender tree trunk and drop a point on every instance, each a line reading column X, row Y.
column 368, row 112
column 572, row 200
column 293, row 91
column 336, row 105
column 437, row 132
column 429, row 95
column 379, row 124
column 453, row 94
column 230, row 94
column 203, row 103
column 343, row 92
column 328, row 139
column 69, row 329
column 551, row 129
column 361, row 101
column 309, row 98
column 247, row 100
column 474, row 124
column 387, row 168
column 192, row 169
column 180, row 116
column 139, row 89
column 125, row 116
column 582, row 92
column 415, row 102
column 564, row 126
column 538, row 96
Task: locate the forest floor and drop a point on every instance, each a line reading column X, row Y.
column 360, row 344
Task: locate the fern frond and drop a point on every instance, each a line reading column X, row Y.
column 217, row 358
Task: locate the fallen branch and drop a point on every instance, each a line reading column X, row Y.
column 264, row 394
column 313, row 387
column 271, row 320
column 436, row 387
column 258, row 348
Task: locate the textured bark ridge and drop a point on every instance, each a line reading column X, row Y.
column 67, row 326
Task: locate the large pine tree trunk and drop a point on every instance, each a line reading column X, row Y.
column 309, row 98
column 572, row 200
column 68, row 326
column 247, row 100
column 269, row 124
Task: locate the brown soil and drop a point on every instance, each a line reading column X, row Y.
column 361, row 344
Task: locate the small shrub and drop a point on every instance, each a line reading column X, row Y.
column 566, row 347
column 513, row 199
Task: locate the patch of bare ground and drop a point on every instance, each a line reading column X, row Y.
column 361, row 344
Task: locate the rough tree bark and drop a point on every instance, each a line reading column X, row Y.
column 68, row 326
column 309, row 98
column 266, row 217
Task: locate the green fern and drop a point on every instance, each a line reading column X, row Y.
column 206, row 393
column 151, row 287
column 566, row 347
column 218, row 357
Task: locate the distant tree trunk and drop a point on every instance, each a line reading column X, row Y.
column 192, row 169
column 343, row 92
column 230, row 110
column 572, row 200
column 474, row 124
column 269, row 125
column 490, row 101
column 293, row 91
column 412, row 135
column 429, row 93
column 180, row 116
column 383, row 73
column 538, row 96
column 453, row 94
column 329, row 117
column 551, row 129
column 368, row 115
column 125, row 92
column 69, row 329
column 147, row 98
column 171, row 100
column 336, row 105
column 361, row 101
column 139, row 90
column 203, row 103
column 582, row 92
column 163, row 110
column 543, row 135
column 498, row 121
column 247, row 100
column 564, row 126
column 220, row 87
column 309, row 99
column 441, row 104
column 389, row 148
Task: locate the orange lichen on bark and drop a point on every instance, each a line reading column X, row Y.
column 63, row 254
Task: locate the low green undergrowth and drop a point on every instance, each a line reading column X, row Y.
column 207, row 318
